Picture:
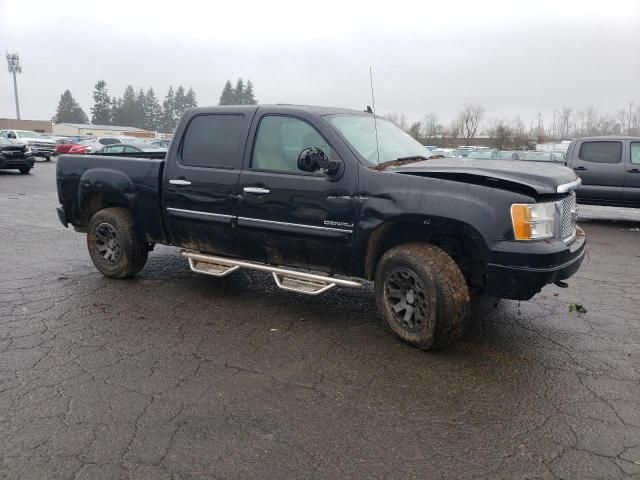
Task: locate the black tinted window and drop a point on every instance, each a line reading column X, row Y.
column 213, row 141
column 601, row 152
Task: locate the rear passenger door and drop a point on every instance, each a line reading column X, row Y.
column 631, row 189
column 599, row 164
column 201, row 181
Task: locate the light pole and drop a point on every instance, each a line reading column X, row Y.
column 13, row 62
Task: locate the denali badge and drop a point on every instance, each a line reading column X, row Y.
column 333, row 223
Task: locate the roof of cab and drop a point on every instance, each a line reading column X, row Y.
column 318, row 110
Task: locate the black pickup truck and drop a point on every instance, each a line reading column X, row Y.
column 325, row 197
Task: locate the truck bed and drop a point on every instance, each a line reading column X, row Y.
column 86, row 182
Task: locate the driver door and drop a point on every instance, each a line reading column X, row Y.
column 290, row 217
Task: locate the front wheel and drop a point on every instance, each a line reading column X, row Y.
column 422, row 295
column 25, row 170
column 114, row 246
column 47, row 158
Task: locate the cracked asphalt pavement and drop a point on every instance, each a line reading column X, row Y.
column 178, row 375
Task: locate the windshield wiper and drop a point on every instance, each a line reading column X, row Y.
column 411, row 157
column 400, row 161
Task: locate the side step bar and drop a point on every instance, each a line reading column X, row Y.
column 292, row 280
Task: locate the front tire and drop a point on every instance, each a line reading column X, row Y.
column 25, row 170
column 47, row 158
column 114, row 246
column 422, row 295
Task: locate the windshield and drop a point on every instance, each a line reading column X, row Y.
column 28, row 134
column 360, row 132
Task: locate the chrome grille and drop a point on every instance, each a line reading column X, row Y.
column 569, row 217
column 43, row 146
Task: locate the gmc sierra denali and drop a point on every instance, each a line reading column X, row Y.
column 325, row 197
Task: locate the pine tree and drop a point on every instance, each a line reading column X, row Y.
column 128, row 108
column 248, row 98
column 69, row 110
column 226, row 98
column 116, row 111
column 168, row 106
column 238, row 93
column 101, row 112
column 179, row 103
column 190, row 99
column 153, row 112
column 140, row 109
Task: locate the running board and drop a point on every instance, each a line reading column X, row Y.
column 291, row 280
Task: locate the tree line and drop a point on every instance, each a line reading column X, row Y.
column 566, row 123
column 142, row 109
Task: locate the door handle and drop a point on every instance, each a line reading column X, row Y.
column 256, row 190
column 179, row 181
column 580, row 169
column 634, row 170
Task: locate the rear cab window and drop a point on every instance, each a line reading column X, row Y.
column 213, row 141
column 601, row 152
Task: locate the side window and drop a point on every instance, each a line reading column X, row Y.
column 280, row 140
column 109, row 141
column 635, row 153
column 601, row 152
column 130, row 149
column 213, row 141
column 114, row 149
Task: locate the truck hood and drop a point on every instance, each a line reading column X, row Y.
column 540, row 177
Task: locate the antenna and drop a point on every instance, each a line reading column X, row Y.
column 375, row 123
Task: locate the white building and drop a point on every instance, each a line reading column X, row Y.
column 86, row 129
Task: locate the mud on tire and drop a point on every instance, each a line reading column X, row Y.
column 422, row 295
column 114, row 246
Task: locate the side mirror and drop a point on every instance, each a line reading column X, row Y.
column 314, row 160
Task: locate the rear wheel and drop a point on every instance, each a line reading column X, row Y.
column 113, row 243
column 422, row 295
column 25, row 170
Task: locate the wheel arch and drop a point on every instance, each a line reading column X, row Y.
column 461, row 241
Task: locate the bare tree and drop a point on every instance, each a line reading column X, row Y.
column 431, row 127
column 501, row 134
column 399, row 121
column 415, row 129
column 470, row 119
column 564, row 122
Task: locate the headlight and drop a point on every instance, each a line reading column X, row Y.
column 533, row 221
column 27, row 150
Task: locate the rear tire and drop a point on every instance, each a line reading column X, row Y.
column 114, row 246
column 422, row 295
column 25, row 170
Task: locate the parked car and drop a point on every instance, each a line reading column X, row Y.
column 295, row 190
column 541, row 157
column 78, row 149
column 443, row 153
column 95, row 144
column 15, row 156
column 63, row 145
column 485, row 155
column 510, row 154
column 464, row 151
column 160, row 143
column 40, row 145
column 129, row 147
column 609, row 168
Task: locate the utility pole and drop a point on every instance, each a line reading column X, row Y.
column 13, row 62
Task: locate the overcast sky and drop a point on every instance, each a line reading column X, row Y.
column 514, row 57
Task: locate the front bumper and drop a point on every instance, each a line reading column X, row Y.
column 520, row 269
column 62, row 216
column 15, row 162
